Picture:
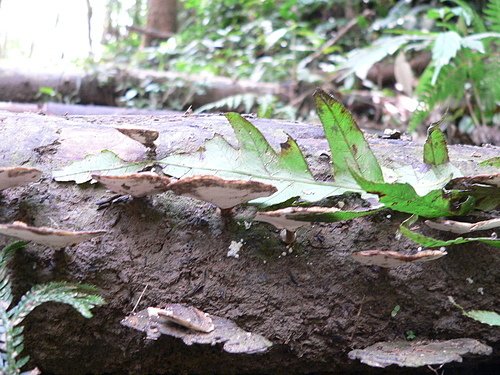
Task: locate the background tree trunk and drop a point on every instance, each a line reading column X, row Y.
column 162, row 19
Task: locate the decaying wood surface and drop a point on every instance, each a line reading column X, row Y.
column 312, row 300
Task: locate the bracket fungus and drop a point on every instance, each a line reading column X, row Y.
column 282, row 218
column 186, row 316
column 135, row 184
column 48, row 236
column 225, row 194
column 15, row 176
column 420, row 353
column 156, row 322
column 392, row 259
column 460, row 227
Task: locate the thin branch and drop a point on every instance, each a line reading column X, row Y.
column 343, row 31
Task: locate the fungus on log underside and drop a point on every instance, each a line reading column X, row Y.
column 226, row 332
column 15, row 176
column 392, row 259
column 418, row 353
column 135, row 184
column 223, row 193
column 186, row 316
column 461, row 227
column 48, row 236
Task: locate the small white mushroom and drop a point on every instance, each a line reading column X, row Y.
column 392, row 259
column 225, row 194
column 460, row 227
column 14, row 176
column 135, row 184
column 186, row 316
column 47, row 236
column 145, row 137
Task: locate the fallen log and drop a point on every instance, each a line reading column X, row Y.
column 314, row 303
column 107, row 86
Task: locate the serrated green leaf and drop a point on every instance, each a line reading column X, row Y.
column 426, row 241
column 493, row 162
column 403, row 197
column 348, row 145
column 256, row 160
column 435, row 147
column 105, row 163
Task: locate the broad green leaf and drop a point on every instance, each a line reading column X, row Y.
column 491, row 318
column 435, row 148
column 423, row 179
column 105, row 163
column 493, row 162
column 256, row 160
column 405, row 230
column 348, row 145
column 483, row 316
column 445, row 48
column 403, row 197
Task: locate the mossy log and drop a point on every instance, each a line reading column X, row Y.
column 315, row 304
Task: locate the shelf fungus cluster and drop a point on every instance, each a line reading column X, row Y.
column 225, row 194
column 392, row 259
column 193, row 326
column 135, row 184
column 57, row 238
column 15, row 176
column 419, row 353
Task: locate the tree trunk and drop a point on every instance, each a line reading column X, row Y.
column 315, row 304
column 162, row 19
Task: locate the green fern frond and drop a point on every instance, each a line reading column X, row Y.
column 77, row 296
column 81, row 297
column 492, row 15
column 231, row 103
column 5, row 288
column 449, row 85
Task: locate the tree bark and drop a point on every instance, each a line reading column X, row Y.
column 315, row 304
column 162, row 20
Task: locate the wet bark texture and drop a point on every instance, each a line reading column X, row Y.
column 315, row 304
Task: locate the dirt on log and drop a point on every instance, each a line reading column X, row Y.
column 315, row 304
